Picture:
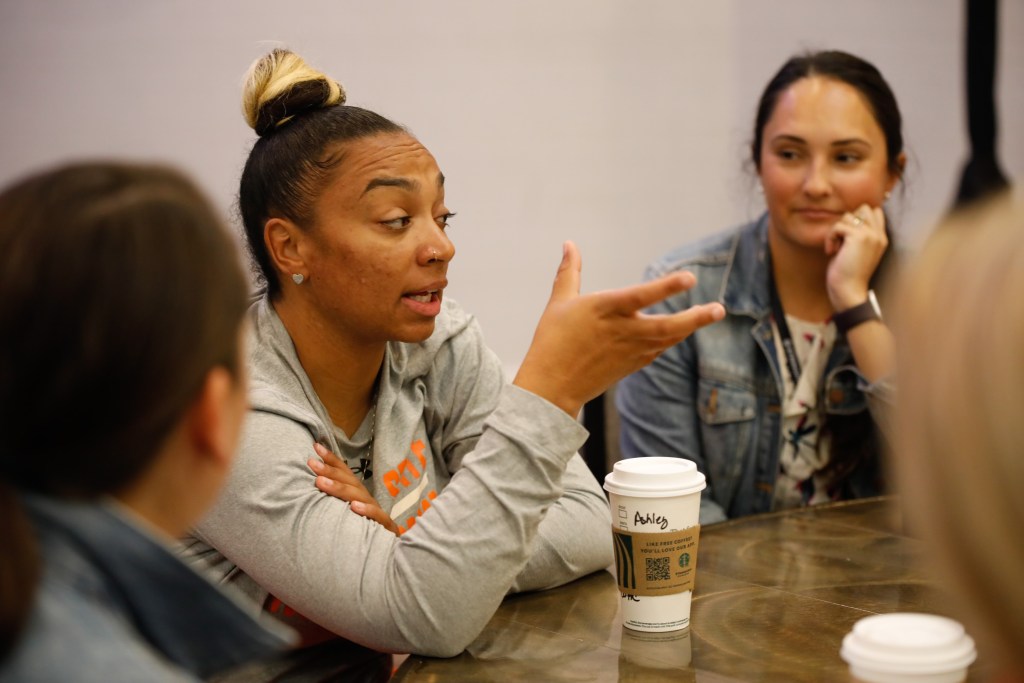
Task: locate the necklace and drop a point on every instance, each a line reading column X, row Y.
column 366, row 460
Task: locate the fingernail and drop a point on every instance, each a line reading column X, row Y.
column 718, row 312
column 358, row 506
column 319, row 447
column 315, row 465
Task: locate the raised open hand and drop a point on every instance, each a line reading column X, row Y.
column 584, row 343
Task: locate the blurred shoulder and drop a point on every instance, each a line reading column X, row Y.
column 72, row 636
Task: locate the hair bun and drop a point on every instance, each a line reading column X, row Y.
column 281, row 85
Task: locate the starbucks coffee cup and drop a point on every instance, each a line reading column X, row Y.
column 655, row 504
column 907, row 647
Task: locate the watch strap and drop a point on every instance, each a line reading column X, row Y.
column 861, row 313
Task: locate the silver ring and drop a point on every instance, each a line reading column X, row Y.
column 857, row 220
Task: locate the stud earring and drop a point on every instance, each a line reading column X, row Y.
column 298, row 278
column 887, row 195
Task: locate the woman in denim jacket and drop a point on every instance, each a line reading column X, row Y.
column 782, row 415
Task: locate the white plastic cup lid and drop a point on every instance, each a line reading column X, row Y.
column 908, row 643
column 654, row 477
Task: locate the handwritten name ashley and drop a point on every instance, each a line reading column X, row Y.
column 650, row 518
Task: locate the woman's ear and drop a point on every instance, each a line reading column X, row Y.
column 284, row 245
column 215, row 418
column 895, row 177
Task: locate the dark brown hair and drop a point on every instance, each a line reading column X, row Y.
column 845, row 68
column 119, row 291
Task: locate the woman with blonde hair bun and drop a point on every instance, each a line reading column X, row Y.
column 455, row 485
column 960, row 443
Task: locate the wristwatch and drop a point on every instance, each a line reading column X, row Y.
column 851, row 317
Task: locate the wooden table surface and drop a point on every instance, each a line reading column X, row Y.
column 774, row 596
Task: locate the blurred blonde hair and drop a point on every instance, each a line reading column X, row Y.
column 960, row 415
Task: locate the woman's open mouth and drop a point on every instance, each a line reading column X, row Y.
column 423, row 297
column 426, row 302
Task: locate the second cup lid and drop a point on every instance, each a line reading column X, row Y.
column 654, row 477
column 907, row 642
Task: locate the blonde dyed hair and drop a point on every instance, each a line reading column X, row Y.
column 280, row 72
column 960, row 416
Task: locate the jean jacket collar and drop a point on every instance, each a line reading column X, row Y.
column 181, row 614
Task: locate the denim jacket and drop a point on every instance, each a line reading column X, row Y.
column 715, row 398
column 115, row 604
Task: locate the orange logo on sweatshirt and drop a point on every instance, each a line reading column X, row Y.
column 403, row 477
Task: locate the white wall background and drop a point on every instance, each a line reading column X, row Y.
column 622, row 125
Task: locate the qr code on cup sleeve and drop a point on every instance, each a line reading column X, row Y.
column 658, row 568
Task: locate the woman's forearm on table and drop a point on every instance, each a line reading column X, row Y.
column 574, row 538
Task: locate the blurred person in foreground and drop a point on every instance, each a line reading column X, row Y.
column 122, row 392
column 960, row 437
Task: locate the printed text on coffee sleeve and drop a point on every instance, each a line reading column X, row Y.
column 656, row 563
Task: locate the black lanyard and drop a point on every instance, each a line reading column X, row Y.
column 792, row 362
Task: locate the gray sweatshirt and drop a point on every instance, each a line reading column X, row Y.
column 482, row 477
